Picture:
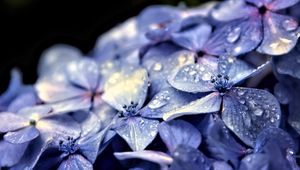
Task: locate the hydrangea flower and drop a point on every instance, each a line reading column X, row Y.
column 245, row 111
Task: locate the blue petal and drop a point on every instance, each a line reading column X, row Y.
column 153, row 156
column 71, row 105
column 248, row 111
column 237, row 37
column 138, row 132
column 284, row 141
column 294, row 109
column 194, row 38
column 179, row 132
column 105, row 114
column 220, row 165
column 192, row 78
column 166, row 100
column 124, row 88
column 280, row 34
column 84, row 72
column 22, row 101
column 60, row 125
column 11, row 122
column 161, row 60
column 90, row 123
column 32, row 154
column 76, row 162
column 57, row 56
column 220, row 143
column 288, row 64
column 11, row 153
column 23, row 135
column 283, row 93
column 223, row 11
column 254, row 162
column 208, row 104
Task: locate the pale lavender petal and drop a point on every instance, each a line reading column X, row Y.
column 11, row 122
column 76, row 162
column 22, row 136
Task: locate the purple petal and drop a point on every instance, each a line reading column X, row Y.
column 294, row 109
column 208, row 104
column 192, row 78
column 70, row 105
column 153, row 156
column 248, row 111
column 280, row 34
column 220, row 165
column 36, row 112
column 105, row 114
column 179, row 132
column 165, row 101
column 84, row 72
column 138, row 132
column 124, row 88
column 193, row 39
column 254, row 162
column 237, row 37
column 57, row 56
column 11, row 122
column 23, row 135
column 22, row 101
column 283, row 93
column 11, row 153
column 288, row 64
column 76, row 162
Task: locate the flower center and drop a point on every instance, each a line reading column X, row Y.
column 68, row 146
column 130, row 110
column 32, row 122
column 221, row 83
column 262, row 10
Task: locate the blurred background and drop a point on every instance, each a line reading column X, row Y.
column 27, row 27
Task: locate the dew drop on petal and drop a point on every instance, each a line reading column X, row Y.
column 258, row 112
column 234, row 35
column 157, row 67
column 290, row 24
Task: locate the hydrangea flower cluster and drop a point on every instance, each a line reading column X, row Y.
column 172, row 88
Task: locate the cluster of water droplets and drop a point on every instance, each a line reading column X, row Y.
column 160, row 100
column 194, row 73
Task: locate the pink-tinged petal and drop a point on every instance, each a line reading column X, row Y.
column 50, row 91
column 179, row 132
column 22, row 136
column 11, row 122
column 208, row 104
column 76, row 162
column 138, row 132
column 280, row 34
column 152, row 156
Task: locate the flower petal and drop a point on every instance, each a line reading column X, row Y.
column 280, row 4
column 84, row 72
column 248, row 111
column 22, row 101
column 289, row 64
column 11, row 122
column 208, row 104
column 152, row 156
column 76, row 162
column 179, row 132
column 138, row 132
column 124, row 88
column 237, row 37
column 280, row 34
column 11, row 153
column 192, row 78
column 254, row 162
column 166, row 100
column 23, row 135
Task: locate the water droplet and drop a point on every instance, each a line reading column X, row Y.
column 234, row 35
column 206, row 77
column 157, row 67
column 182, row 59
column 272, row 120
column 258, row 112
column 241, row 92
column 290, row 24
column 242, row 101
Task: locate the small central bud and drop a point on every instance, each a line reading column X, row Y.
column 221, row 83
column 130, row 110
column 68, row 146
column 32, row 122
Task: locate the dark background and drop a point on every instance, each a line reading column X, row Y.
column 27, row 27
